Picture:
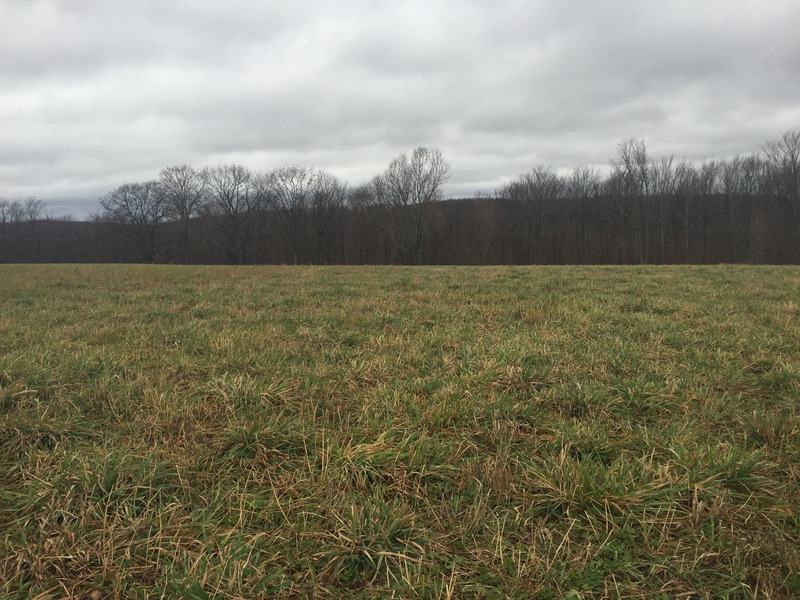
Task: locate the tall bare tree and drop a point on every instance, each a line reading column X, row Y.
column 358, row 240
column 707, row 185
column 739, row 181
column 685, row 190
column 782, row 158
column 10, row 209
column 583, row 186
column 183, row 189
column 663, row 189
column 404, row 196
column 632, row 169
column 325, row 212
column 230, row 206
column 526, row 199
column 33, row 209
column 137, row 210
column 287, row 192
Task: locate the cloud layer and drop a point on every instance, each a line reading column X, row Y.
column 99, row 93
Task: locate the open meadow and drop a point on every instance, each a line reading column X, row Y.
column 432, row 432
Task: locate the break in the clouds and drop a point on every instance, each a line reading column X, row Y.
column 97, row 93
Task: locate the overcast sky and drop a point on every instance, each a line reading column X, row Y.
column 96, row 93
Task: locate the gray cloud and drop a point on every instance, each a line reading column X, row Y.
column 99, row 93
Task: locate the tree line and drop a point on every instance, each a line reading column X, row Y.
column 642, row 209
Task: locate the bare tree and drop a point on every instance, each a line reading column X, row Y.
column 685, row 189
column 632, row 168
column 583, row 186
column 325, row 211
column 477, row 247
column 663, row 181
column 358, row 241
column 183, row 190
column 33, row 209
column 617, row 215
column 736, row 177
column 230, row 205
column 404, row 196
column 583, row 182
column 136, row 209
column 287, row 191
column 8, row 209
column 707, row 185
column 526, row 199
column 782, row 161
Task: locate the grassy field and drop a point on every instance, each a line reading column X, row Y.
column 218, row 432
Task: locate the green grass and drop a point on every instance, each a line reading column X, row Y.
column 208, row 432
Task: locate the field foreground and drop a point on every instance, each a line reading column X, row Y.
column 204, row 432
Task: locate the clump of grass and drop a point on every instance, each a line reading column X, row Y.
column 374, row 540
column 772, row 429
